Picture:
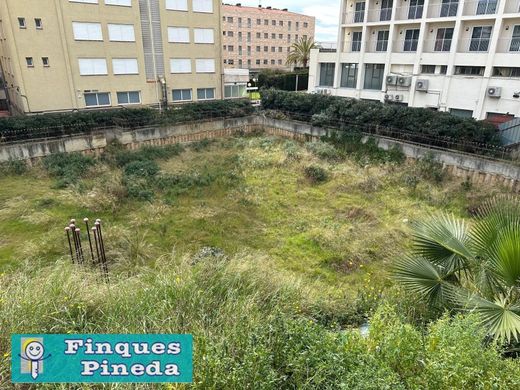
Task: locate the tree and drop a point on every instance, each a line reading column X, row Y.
column 474, row 267
column 301, row 51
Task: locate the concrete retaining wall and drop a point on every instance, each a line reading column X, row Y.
column 476, row 169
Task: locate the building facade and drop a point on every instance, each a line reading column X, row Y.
column 75, row 54
column 260, row 38
column 461, row 56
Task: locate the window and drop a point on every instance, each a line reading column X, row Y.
column 121, row 32
column 84, row 1
column 297, row 26
column 258, row 62
column 280, row 36
column 231, row 62
column 480, row 38
column 411, row 39
column 180, row 65
column 177, row 5
column 382, row 40
column 327, row 74
column 204, row 35
column 305, row 24
column 461, row 113
column 386, row 10
column 449, row 8
column 240, row 50
column 506, row 72
column 416, row 9
column 230, row 33
column 515, row 40
column 231, row 48
column 130, row 97
column 266, row 35
column 205, row 93
column 45, row 62
column 240, row 35
column 124, row 3
column 273, row 49
column 443, row 69
column 359, row 13
column 181, row 95
column 266, row 49
column 374, row 76
column 444, row 38
column 258, row 22
column 205, row 65
column 92, row 66
column 87, row 31
column 349, row 75
column 486, row 7
column 428, row 69
column 266, row 62
column 97, row 99
column 356, row 40
column 179, row 34
column 249, row 37
column 280, row 23
column 258, row 48
column 234, row 91
column 29, row 61
column 38, row 23
column 125, row 66
column 203, row 6
column 258, row 35
column 230, row 19
column 280, row 49
column 273, row 36
column 266, row 22
column 279, row 62
column 469, row 70
column 21, row 23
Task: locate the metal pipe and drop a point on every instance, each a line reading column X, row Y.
column 67, row 230
column 89, row 240
column 81, row 258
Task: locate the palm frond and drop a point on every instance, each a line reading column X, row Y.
column 444, row 241
column 501, row 316
column 420, row 276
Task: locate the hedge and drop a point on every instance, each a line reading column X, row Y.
column 25, row 127
column 326, row 110
column 284, row 80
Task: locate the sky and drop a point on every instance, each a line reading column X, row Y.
column 326, row 13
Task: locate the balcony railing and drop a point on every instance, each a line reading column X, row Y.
column 406, row 45
column 354, row 17
column 410, row 12
column 350, row 46
column 377, row 46
column 379, row 14
column 481, row 7
column 509, row 45
column 437, row 45
column 445, row 10
column 474, row 45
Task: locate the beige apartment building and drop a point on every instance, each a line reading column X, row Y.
column 261, row 37
column 74, row 54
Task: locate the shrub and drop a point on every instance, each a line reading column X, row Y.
column 324, row 150
column 68, row 168
column 429, row 168
column 145, row 169
column 326, row 110
column 316, row 174
column 283, row 80
column 13, row 167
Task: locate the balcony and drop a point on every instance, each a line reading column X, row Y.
column 444, row 10
column 437, row 45
column 406, row 45
column 509, row 45
column 411, row 12
column 351, row 46
column 480, row 7
column 379, row 46
column 354, row 17
column 474, row 45
column 512, row 7
column 379, row 14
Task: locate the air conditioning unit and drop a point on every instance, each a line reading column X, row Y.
column 404, row 81
column 389, row 98
column 421, row 85
column 494, row 92
column 391, row 79
column 398, row 98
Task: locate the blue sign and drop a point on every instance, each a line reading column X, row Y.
column 101, row 358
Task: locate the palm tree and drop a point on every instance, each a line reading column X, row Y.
column 475, row 267
column 301, row 51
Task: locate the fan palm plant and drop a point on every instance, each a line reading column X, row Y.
column 301, row 51
column 474, row 267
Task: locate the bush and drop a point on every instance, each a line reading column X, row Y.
column 324, row 150
column 68, row 168
column 348, row 114
column 13, row 167
column 429, row 168
column 283, row 80
column 316, row 174
column 146, row 169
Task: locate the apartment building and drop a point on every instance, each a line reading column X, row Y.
column 461, row 56
column 76, row 54
column 261, row 37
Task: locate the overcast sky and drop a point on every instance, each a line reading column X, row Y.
column 327, row 15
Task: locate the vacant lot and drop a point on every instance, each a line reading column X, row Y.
column 248, row 243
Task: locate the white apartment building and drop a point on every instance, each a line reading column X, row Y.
column 461, row 56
